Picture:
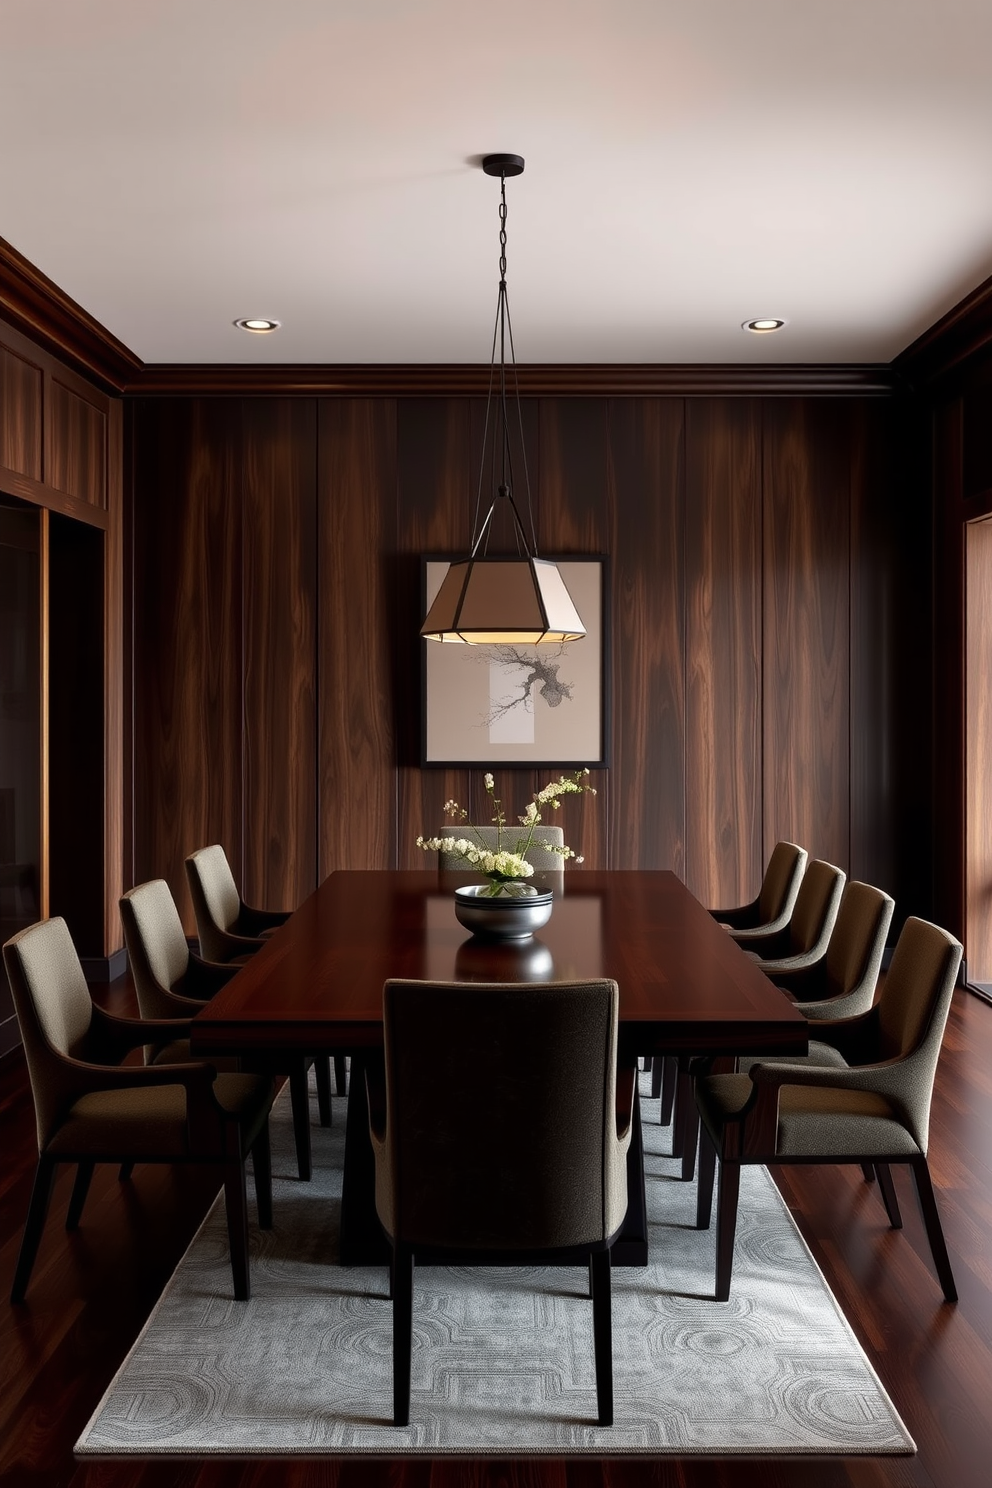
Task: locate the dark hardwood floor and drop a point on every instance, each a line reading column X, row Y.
column 91, row 1292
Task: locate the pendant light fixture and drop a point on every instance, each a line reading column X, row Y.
column 521, row 599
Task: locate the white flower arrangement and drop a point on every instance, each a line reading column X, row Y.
column 507, row 866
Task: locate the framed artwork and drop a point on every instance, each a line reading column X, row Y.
column 519, row 705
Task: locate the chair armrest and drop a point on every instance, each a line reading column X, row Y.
column 787, row 967
column 120, row 1035
column 256, row 921
column 740, row 917
column 239, row 945
column 856, row 1037
column 764, row 944
column 203, row 978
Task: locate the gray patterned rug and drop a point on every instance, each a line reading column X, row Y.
column 503, row 1359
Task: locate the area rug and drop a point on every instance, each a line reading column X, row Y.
column 503, row 1359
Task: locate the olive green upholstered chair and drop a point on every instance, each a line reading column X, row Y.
column 841, row 983
column 226, row 925
column 514, row 1151
column 541, row 851
column 90, row 1109
column 804, row 940
column 772, row 910
column 171, row 981
column 862, row 1095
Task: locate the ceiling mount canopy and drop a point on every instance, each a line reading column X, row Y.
column 519, row 599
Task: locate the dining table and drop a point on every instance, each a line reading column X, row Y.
column 315, row 986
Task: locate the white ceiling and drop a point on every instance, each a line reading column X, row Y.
column 175, row 164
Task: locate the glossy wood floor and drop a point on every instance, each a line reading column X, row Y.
column 92, row 1291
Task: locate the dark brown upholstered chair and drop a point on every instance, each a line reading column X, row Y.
column 841, row 983
column 772, row 910
column 89, row 1109
column 861, row 1096
column 172, row 982
column 538, row 1174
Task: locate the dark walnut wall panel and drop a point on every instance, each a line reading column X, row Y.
column 21, row 385
column 724, row 843
column 276, row 662
column 187, row 637
column 806, row 665
column 279, row 588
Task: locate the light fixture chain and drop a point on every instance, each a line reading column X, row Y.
column 502, row 226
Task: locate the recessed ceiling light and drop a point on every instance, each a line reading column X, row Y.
column 259, row 326
column 762, row 325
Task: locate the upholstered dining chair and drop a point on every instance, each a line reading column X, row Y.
column 540, row 852
column 799, row 945
column 862, row 1095
column 91, row 1109
column 172, row 982
column 227, row 927
column 538, row 1176
column 772, row 910
column 804, row 940
column 841, row 983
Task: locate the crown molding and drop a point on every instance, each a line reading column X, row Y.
column 948, row 349
column 35, row 306
column 593, row 380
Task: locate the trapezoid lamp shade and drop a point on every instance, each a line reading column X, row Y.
column 501, row 602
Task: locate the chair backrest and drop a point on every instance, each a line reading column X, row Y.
column 780, row 885
column 486, row 837
column 912, row 1013
column 815, row 912
column 156, row 945
column 54, row 1012
column 854, row 955
column 510, row 1143
column 216, row 901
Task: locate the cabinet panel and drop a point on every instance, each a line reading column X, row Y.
column 21, row 393
column 77, row 458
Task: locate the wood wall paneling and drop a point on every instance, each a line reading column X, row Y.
column 21, row 392
column 647, row 595
column 279, row 588
column 949, row 671
column 723, row 568
column 978, row 775
column 77, row 445
column 435, row 502
column 187, row 637
column 806, row 724
column 357, row 608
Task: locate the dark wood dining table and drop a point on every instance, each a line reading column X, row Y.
column 316, row 985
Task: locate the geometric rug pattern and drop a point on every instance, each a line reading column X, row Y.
column 502, row 1358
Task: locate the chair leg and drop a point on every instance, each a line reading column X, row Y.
column 888, row 1190
column 669, row 1080
column 402, row 1332
column 299, row 1092
column 41, row 1192
column 656, row 1066
column 340, row 1074
column 685, row 1132
column 602, row 1330
column 236, row 1202
column 726, row 1226
column 81, row 1187
column 322, row 1069
column 704, row 1186
column 935, row 1232
column 261, row 1154
column 869, row 1171
column 126, row 1170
